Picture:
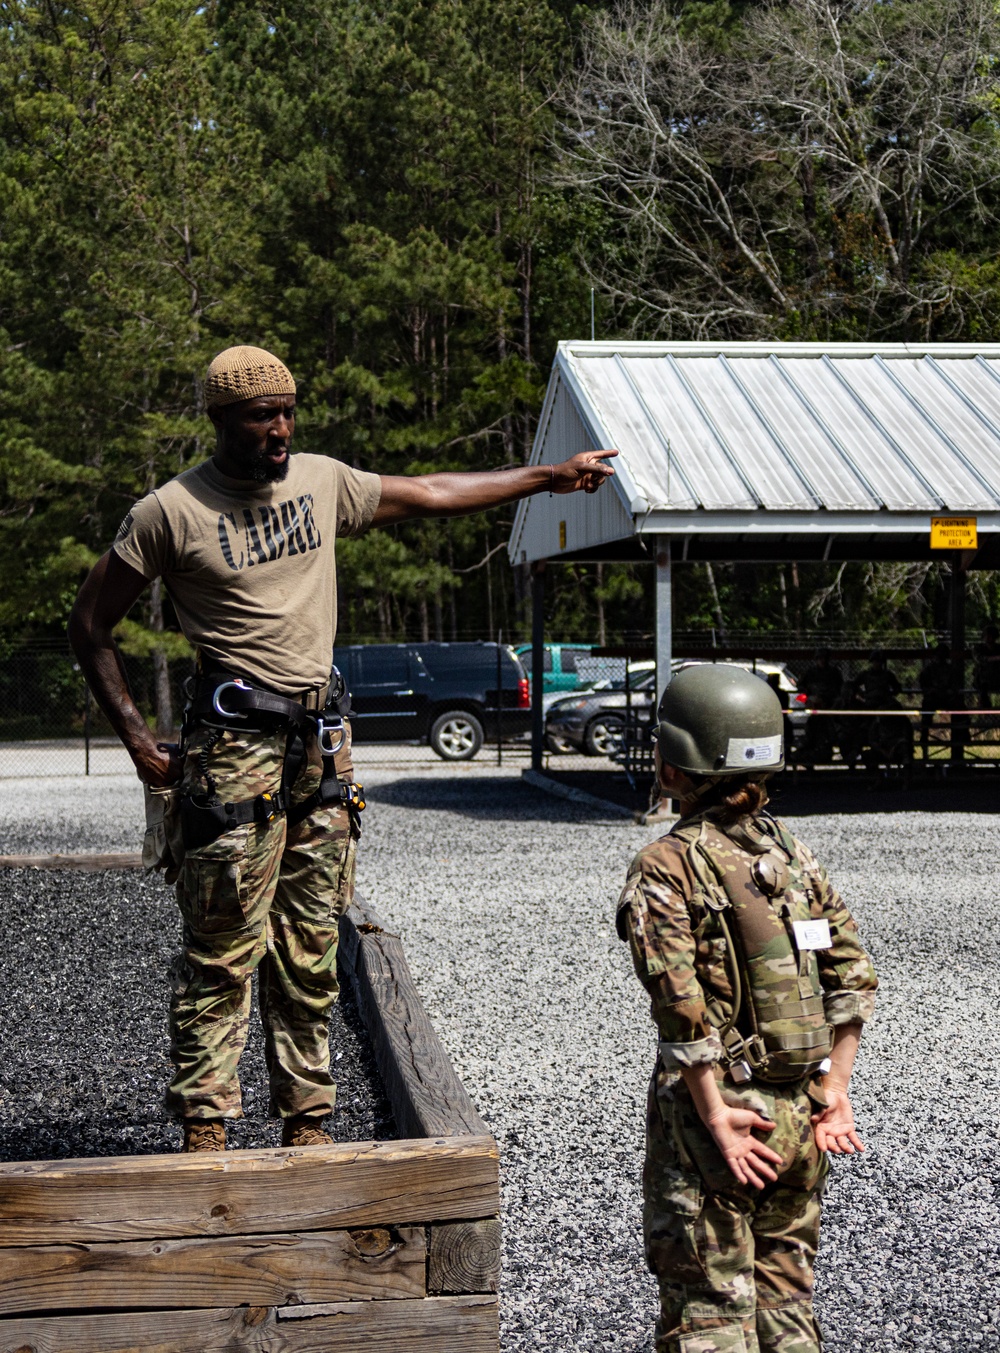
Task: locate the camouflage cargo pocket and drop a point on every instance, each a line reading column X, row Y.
column 317, row 867
column 725, row 1339
column 213, row 890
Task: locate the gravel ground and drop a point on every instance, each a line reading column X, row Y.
column 504, row 897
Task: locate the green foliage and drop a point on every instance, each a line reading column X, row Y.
column 370, row 188
column 136, row 641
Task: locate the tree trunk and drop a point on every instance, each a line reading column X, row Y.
column 452, row 608
column 162, row 694
column 716, row 604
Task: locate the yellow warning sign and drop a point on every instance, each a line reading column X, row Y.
column 954, row 533
column 562, row 535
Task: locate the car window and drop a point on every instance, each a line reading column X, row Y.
column 378, row 666
column 464, row 661
column 547, row 662
column 570, row 656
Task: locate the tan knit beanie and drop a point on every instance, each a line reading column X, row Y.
column 245, row 373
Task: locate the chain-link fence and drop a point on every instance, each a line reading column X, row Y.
column 599, row 703
column 50, row 724
column 415, row 705
column 948, row 702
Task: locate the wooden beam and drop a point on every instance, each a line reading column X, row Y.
column 431, row 1325
column 465, row 1256
column 427, row 1097
column 315, row 1266
column 88, row 864
column 313, row 1188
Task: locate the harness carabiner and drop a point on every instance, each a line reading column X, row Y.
column 237, row 684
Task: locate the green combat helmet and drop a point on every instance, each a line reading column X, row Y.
column 717, row 719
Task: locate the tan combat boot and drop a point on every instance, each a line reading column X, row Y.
column 204, row 1134
column 304, row 1131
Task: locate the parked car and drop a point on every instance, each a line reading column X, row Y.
column 565, row 666
column 438, row 693
column 593, row 721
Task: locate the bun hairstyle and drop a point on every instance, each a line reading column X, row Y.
column 737, row 799
column 730, row 797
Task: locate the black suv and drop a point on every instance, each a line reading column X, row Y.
column 443, row 694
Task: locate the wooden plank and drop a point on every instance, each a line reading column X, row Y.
column 315, row 1266
column 89, row 864
column 426, row 1095
column 313, row 1188
column 464, row 1256
column 433, row 1325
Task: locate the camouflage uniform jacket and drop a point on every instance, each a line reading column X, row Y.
column 680, row 953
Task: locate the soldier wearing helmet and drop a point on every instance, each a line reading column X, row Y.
column 759, row 988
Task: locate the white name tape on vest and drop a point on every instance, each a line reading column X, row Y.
column 812, row 935
column 753, row 751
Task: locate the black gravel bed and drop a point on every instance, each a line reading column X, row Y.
column 83, row 1009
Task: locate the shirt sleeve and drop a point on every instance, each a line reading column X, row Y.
column 358, row 497
column 653, row 916
column 846, row 971
column 144, row 540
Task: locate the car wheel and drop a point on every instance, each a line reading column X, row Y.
column 456, row 735
column 604, row 736
column 558, row 745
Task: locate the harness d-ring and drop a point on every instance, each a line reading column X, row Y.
column 324, row 732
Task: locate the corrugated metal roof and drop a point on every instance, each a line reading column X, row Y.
column 835, row 428
column 792, row 428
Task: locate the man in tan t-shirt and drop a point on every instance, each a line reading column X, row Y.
column 246, row 547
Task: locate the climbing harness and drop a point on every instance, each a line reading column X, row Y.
column 224, row 702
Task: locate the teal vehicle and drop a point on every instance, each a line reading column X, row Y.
column 561, row 671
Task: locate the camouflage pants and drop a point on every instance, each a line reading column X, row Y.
column 266, row 897
column 734, row 1265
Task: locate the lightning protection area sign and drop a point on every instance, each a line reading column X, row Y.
column 954, row 533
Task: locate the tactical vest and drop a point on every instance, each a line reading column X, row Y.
column 778, row 1030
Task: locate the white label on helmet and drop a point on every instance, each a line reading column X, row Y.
column 751, row 752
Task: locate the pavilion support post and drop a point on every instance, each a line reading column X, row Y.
column 664, row 613
column 537, row 663
column 956, row 619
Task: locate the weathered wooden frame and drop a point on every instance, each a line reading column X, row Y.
column 319, row 1249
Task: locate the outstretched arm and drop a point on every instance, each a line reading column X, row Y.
column 456, row 495
column 105, row 598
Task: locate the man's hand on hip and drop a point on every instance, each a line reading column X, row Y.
column 159, row 765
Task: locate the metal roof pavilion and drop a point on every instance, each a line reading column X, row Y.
column 769, row 451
